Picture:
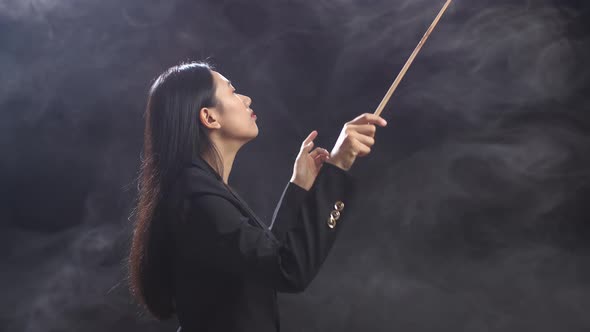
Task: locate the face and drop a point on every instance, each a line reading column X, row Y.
column 232, row 116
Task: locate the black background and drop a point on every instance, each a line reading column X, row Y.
column 474, row 199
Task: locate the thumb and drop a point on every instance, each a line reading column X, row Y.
column 307, row 147
column 308, row 140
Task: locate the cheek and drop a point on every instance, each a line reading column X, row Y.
column 234, row 117
column 238, row 102
column 237, row 108
column 230, row 104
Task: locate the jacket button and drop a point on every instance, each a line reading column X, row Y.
column 335, row 214
column 331, row 222
column 339, row 205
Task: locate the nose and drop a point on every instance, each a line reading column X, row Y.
column 248, row 101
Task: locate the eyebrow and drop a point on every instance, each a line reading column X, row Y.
column 230, row 86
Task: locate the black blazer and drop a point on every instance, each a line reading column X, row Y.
column 229, row 265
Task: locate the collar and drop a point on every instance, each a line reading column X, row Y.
column 203, row 164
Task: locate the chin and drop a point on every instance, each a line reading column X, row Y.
column 256, row 132
column 252, row 136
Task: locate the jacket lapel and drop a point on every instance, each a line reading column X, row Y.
column 231, row 194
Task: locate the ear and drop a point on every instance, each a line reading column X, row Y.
column 208, row 118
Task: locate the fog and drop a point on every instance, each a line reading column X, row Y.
column 472, row 212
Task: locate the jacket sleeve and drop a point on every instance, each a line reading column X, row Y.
column 290, row 253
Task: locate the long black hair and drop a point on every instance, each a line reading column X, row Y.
column 173, row 136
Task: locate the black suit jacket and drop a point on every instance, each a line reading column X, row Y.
column 229, row 265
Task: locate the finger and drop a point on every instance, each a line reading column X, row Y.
column 319, row 151
column 307, row 147
column 320, row 159
column 310, row 137
column 315, row 152
column 365, row 129
column 319, row 164
column 317, row 160
column 325, row 155
column 363, row 150
column 365, row 140
column 369, row 118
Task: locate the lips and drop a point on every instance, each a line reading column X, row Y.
column 253, row 115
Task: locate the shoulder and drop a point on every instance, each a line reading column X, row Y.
column 196, row 181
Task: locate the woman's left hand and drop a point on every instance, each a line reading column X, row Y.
column 308, row 164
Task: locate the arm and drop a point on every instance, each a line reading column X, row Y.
column 289, row 256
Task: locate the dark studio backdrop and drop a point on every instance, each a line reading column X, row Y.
column 474, row 212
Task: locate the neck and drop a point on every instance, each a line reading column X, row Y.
column 228, row 154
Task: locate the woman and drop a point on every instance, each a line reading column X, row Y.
column 198, row 251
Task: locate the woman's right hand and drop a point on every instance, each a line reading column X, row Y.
column 355, row 140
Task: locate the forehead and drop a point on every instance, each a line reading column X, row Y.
column 220, row 78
